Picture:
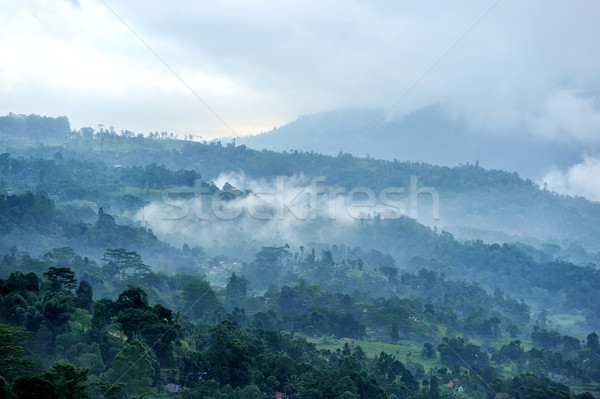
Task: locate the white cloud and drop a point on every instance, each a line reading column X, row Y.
column 568, row 116
column 260, row 64
column 581, row 179
column 82, row 62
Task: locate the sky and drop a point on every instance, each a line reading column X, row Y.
column 234, row 68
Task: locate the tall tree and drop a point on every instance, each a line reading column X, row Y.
column 133, row 366
column 592, row 342
column 69, row 382
column 12, row 361
column 395, row 335
column 434, row 390
column 84, row 296
column 124, row 261
column 61, row 278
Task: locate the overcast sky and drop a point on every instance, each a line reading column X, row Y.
column 527, row 66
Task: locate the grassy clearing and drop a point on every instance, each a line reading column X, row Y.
column 580, row 387
column 574, row 323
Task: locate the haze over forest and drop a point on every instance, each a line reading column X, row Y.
column 345, row 200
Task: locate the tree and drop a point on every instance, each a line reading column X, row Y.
column 495, row 322
column 455, row 350
column 570, row 343
column 235, row 291
column 592, row 342
column 268, row 265
column 428, row 351
column 105, row 221
column 12, row 361
column 133, row 297
column 84, row 296
column 69, row 382
column 101, row 313
column 293, row 385
column 394, row 335
column 154, row 325
column 538, row 367
column 429, row 311
column 249, row 392
column 390, row 272
column 310, row 259
column 61, row 278
column 434, row 390
column 5, row 391
column 227, row 356
column 513, row 330
column 107, row 390
column 133, row 366
column 123, row 261
column 327, row 258
column 62, row 256
column 56, row 309
column 393, row 376
column 199, row 299
column 33, row 387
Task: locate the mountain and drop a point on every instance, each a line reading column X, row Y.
column 427, row 135
column 188, row 253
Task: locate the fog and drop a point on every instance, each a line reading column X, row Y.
column 291, row 210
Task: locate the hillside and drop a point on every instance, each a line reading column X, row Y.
column 431, row 135
column 220, row 246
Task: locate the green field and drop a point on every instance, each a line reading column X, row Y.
column 574, row 323
column 580, row 387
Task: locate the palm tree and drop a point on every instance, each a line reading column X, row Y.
column 293, row 385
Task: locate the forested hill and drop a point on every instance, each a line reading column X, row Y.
column 431, row 134
column 79, row 178
column 474, row 202
column 115, row 283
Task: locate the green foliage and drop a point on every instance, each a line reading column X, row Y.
column 133, row 343
column 236, row 291
column 5, row 391
column 228, row 356
column 124, row 262
column 457, row 351
column 593, row 342
column 530, row 386
column 84, row 296
column 199, row 299
column 513, row 330
column 34, row 127
column 13, row 360
column 61, row 381
column 69, row 382
column 428, row 351
column 61, row 278
column 31, row 387
column 394, row 334
column 133, row 366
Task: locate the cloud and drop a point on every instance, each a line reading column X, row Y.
column 568, row 116
column 260, row 64
column 293, row 209
column 581, row 179
column 80, row 61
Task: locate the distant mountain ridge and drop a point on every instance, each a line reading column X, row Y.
column 426, row 135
